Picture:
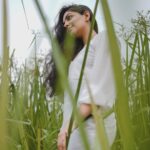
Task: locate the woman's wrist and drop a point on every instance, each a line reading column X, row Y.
column 65, row 128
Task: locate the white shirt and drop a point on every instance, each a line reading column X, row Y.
column 99, row 74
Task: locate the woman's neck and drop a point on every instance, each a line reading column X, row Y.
column 86, row 34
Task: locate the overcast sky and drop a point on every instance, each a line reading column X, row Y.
column 21, row 35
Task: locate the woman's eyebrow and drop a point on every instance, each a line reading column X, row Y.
column 66, row 17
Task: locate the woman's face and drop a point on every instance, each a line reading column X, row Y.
column 75, row 23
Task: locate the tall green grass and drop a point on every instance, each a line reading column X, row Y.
column 33, row 121
column 4, row 80
column 137, row 73
column 121, row 106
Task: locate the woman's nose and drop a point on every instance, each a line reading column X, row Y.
column 66, row 24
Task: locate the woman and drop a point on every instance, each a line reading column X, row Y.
column 76, row 19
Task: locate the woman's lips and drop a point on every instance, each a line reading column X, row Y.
column 69, row 28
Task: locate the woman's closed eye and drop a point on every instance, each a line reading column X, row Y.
column 69, row 17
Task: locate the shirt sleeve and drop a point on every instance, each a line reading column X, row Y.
column 99, row 77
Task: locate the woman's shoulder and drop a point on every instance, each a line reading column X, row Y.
column 99, row 37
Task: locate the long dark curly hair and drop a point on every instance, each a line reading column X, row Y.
column 52, row 78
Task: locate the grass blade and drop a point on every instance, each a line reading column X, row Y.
column 4, row 82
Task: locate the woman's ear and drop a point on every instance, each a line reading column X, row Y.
column 86, row 15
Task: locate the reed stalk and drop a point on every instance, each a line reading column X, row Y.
column 4, row 86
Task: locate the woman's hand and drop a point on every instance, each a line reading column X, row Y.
column 61, row 141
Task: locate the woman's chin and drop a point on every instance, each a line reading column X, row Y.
column 73, row 33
